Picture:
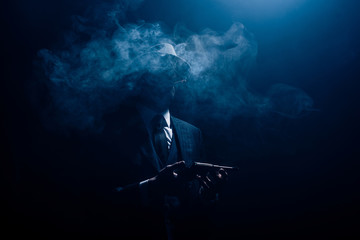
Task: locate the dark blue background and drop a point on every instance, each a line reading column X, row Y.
column 298, row 176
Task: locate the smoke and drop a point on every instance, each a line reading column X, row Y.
column 89, row 74
column 288, row 101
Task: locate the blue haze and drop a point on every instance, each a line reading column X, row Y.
column 86, row 73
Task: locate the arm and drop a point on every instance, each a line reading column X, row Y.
column 150, row 189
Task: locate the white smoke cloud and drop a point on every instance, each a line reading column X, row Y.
column 88, row 74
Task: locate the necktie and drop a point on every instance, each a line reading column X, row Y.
column 159, row 138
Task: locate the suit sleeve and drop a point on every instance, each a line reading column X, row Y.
column 136, row 192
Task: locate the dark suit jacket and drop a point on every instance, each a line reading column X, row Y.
column 122, row 156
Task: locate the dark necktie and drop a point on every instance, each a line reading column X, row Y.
column 159, row 137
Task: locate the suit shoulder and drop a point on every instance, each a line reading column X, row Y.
column 184, row 124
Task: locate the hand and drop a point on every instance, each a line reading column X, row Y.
column 212, row 183
column 167, row 180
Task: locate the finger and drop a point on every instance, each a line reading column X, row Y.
column 202, row 182
column 222, row 174
column 209, row 182
column 176, row 165
column 217, row 176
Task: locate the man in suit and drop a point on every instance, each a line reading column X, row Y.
column 147, row 153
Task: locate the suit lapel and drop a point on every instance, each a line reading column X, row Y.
column 148, row 151
column 145, row 144
column 184, row 140
column 147, row 148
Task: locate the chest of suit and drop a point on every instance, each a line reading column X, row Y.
column 130, row 153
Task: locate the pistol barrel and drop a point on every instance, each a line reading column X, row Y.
column 209, row 165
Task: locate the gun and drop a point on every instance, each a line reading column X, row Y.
column 203, row 168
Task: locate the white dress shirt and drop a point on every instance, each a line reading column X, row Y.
column 148, row 114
